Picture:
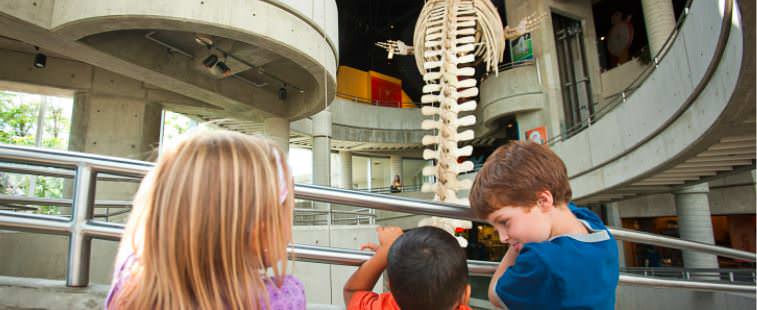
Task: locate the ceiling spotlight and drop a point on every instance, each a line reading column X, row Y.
column 210, row 61
column 224, row 68
column 40, row 60
column 203, row 40
column 283, row 93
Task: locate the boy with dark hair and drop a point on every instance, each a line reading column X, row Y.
column 560, row 256
column 426, row 269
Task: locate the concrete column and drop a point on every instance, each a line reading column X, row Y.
column 345, row 158
column 695, row 223
column 322, row 148
column 613, row 219
column 277, row 129
column 660, row 22
column 369, row 174
column 115, row 126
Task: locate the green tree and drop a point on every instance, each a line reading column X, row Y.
column 17, row 121
column 17, row 126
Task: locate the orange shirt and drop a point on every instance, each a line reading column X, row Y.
column 366, row 300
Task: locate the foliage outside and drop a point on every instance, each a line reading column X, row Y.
column 18, row 120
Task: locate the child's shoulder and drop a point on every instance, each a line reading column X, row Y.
column 286, row 281
column 538, row 255
column 586, row 215
column 290, row 295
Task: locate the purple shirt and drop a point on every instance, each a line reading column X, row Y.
column 290, row 296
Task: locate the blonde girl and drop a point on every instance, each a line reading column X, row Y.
column 210, row 229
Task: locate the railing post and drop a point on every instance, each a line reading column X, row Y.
column 79, row 244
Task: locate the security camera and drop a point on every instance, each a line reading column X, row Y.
column 282, row 93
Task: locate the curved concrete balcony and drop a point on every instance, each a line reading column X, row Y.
column 269, row 46
column 364, row 127
column 692, row 118
column 512, row 91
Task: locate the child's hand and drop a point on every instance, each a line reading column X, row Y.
column 510, row 256
column 369, row 246
column 387, row 235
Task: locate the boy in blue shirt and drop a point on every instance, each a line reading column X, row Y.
column 560, row 256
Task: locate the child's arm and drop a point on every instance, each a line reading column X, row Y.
column 507, row 261
column 366, row 276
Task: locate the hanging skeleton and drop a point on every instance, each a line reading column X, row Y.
column 451, row 37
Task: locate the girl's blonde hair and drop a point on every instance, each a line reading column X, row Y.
column 208, row 221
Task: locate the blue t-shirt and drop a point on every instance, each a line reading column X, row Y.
column 565, row 272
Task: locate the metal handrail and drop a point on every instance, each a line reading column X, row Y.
column 61, row 173
column 60, row 202
column 731, row 275
column 81, row 228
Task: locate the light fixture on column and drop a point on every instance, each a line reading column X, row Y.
column 40, row 60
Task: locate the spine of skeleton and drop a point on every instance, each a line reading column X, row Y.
column 448, row 52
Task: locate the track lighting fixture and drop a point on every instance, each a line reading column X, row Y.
column 223, row 68
column 210, row 61
column 40, row 60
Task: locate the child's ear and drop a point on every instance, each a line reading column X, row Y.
column 465, row 299
column 545, row 201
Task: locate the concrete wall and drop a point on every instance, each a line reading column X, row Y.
column 617, row 79
column 515, row 91
column 324, row 283
column 733, row 194
column 652, row 298
column 44, row 256
column 26, row 293
column 652, row 105
column 545, row 51
column 352, row 121
column 303, row 40
column 29, row 293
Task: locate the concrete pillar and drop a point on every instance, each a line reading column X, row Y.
column 613, row 219
column 322, row 148
column 695, row 223
column 369, row 174
column 660, row 22
column 115, row 126
column 345, row 159
column 277, row 129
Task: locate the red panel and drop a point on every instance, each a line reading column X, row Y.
column 385, row 93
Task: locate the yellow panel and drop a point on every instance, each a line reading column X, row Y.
column 353, row 83
column 406, row 101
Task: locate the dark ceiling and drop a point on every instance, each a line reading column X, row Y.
column 364, row 22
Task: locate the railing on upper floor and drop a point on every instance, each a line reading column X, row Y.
column 619, row 98
column 82, row 227
column 388, row 189
column 380, row 103
column 729, row 275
